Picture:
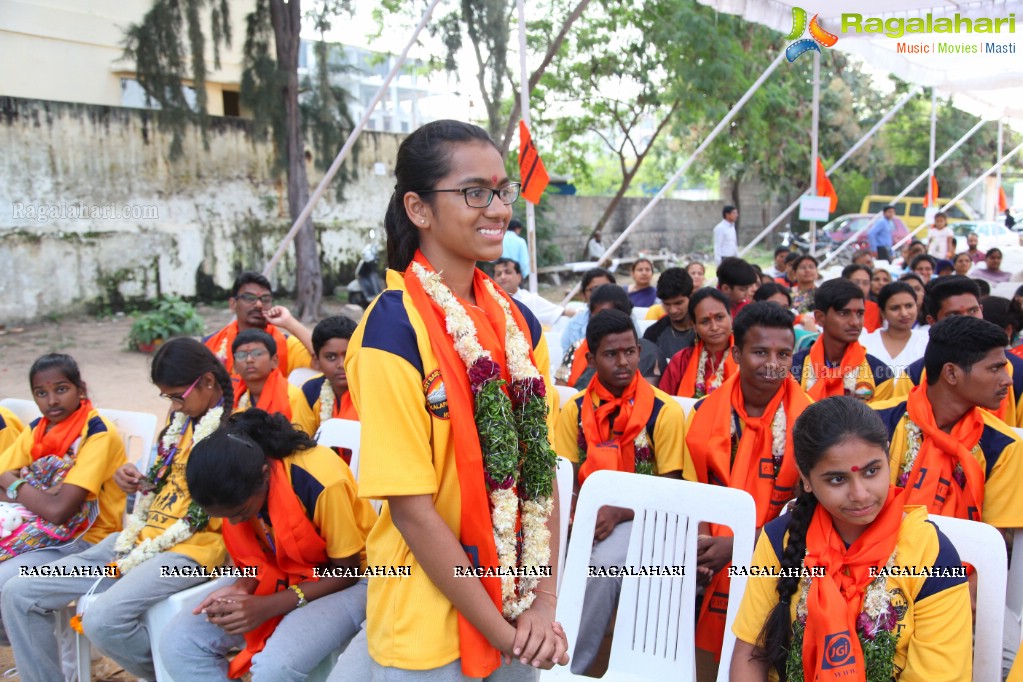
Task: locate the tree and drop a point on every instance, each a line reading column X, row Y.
column 172, row 29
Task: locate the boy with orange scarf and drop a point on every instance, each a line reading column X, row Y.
column 620, row 423
column 263, row 385
column 749, row 417
column 837, row 364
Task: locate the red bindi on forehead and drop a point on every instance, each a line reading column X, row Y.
column 493, row 178
column 855, row 469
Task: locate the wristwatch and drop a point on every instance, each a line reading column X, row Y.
column 12, row 489
column 302, row 601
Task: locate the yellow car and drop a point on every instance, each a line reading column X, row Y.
column 912, row 211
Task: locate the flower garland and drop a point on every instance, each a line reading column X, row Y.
column 518, row 462
column 848, row 379
column 222, row 352
column 644, row 455
column 914, row 439
column 702, row 387
column 875, row 628
column 326, row 400
column 131, row 553
column 778, row 432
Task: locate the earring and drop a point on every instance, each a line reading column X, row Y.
column 422, row 220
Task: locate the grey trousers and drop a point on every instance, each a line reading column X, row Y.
column 356, row 664
column 301, row 640
column 113, row 622
column 601, row 597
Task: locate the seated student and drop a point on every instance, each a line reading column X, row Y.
column 165, row 533
column 804, row 329
column 860, row 276
column 898, row 343
column 293, row 511
column 509, row 276
column 777, row 269
column 920, row 289
column 252, row 303
column 949, row 297
column 944, row 268
column 10, row 428
column 327, row 395
column 263, row 385
column 923, row 265
column 737, row 280
column 852, row 620
column 878, row 279
column 674, row 331
column 863, row 257
column 992, row 271
column 737, row 437
column 61, row 472
column 696, row 371
column 788, row 279
column 619, row 423
column 593, row 279
column 642, row 293
column 1007, row 315
column 804, row 270
column 575, row 369
column 950, row 455
column 836, row 363
column 697, row 272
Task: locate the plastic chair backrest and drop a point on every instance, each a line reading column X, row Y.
column 654, row 635
column 138, row 431
column 565, row 393
column 982, row 545
column 25, row 410
column 686, row 403
column 300, row 375
column 566, row 476
column 342, row 433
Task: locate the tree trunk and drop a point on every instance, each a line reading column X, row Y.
column 286, row 18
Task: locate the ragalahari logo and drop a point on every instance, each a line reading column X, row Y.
column 818, row 36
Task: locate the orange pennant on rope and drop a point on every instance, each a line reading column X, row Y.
column 824, row 186
column 1003, row 201
column 531, row 169
column 932, row 196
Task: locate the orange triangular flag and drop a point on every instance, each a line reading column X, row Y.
column 824, row 186
column 1003, row 201
column 531, row 169
column 932, row 196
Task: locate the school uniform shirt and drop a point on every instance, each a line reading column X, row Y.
column 302, row 417
column 100, row 452
column 10, row 428
column 665, row 429
column 298, row 354
column 872, row 373
column 408, row 449
column 1001, row 457
column 311, row 390
column 935, row 631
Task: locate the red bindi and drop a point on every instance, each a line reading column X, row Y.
column 855, row 469
column 493, row 178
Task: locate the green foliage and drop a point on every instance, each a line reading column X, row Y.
column 499, row 440
column 539, row 462
column 171, row 317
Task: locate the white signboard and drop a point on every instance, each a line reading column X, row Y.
column 814, row 208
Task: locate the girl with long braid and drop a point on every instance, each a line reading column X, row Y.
column 867, row 588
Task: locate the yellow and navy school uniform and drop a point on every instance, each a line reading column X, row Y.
column 1000, row 455
column 408, row 449
column 298, row 355
column 10, row 428
column 872, row 373
column 935, row 638
column 302, row 417
column 900, row 386
column 312, row 390
column 99, row 453
column 665, row 430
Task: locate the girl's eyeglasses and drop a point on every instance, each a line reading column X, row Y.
column 181, row 398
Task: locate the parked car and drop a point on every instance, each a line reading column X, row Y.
column 913, row 212
column 990, row 234
column 841, row 228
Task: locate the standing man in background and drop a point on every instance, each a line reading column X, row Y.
column 726, row 242
column 515, row 247
column 879, row 236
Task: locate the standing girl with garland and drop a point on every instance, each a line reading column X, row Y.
column 166, row 533
column 444, row 373
column 883, row 593
column 697, row 371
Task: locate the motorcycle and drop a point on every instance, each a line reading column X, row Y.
column 367, row 284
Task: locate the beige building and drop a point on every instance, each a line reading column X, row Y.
column 72, row 51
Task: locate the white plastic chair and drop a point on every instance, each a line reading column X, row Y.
column 25, row 410
column 342, row 433
column 982, row 545
column 686, row 403
column 553, row 348
column 566, row 481
column 138, row 431
column 655, row 629
column 300, row 375
column 565, row 393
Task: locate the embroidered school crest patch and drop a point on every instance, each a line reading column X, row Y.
column 436, row 395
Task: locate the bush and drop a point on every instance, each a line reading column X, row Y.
column 171, row 317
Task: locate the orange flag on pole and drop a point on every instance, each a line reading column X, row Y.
column 531, row 169
column 1003, row 201
column 932, row 195
column 824, row 186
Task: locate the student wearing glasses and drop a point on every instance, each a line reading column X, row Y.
column 252, row 302
column 262, row 383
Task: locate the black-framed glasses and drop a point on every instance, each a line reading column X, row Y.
column 481, row 197
column 265, row 299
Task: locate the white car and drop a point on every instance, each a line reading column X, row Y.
column 990, row 235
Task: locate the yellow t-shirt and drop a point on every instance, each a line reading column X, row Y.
column 206, row 547
column 655, row 312
column 934, row 626
column 1000, row 455
column 302, row 418
column 10, row 428
column 100, row 451
column 298, row 355
column 665, row 430
column 408, row 449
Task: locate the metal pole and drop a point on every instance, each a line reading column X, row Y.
column 926, row 174
column 845, row 157
column 814, row 142
column 349, row 143
column 670, row 184
column 998, row 173
column 524, row 98
column 932, row 200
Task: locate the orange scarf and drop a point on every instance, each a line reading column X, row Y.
column 687, row 387
column 274, row 398
column 830, row 379
column 59, row 439
column 579, row 363
column 710, row 445
column 871, row 316
column 930, row 482
column 614, row 450
column 479, row 658
column 834, row 601
column 1006, row 410
column 345, row 408
column 217, row 342
column 299, row 549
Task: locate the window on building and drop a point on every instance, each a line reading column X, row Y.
column 232, row 106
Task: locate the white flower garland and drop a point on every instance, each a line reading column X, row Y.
column 222, row 351
column 914, row 440
column 701, row 372
column 179, row 531
column 505, row 503
column 877, row 597
column 326, row 400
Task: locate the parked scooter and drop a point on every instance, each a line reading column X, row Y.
column 367, row 284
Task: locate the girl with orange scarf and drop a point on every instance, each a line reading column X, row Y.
column 698, row 371
column 869, row 589
column 448, row 376
column 298, row 524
